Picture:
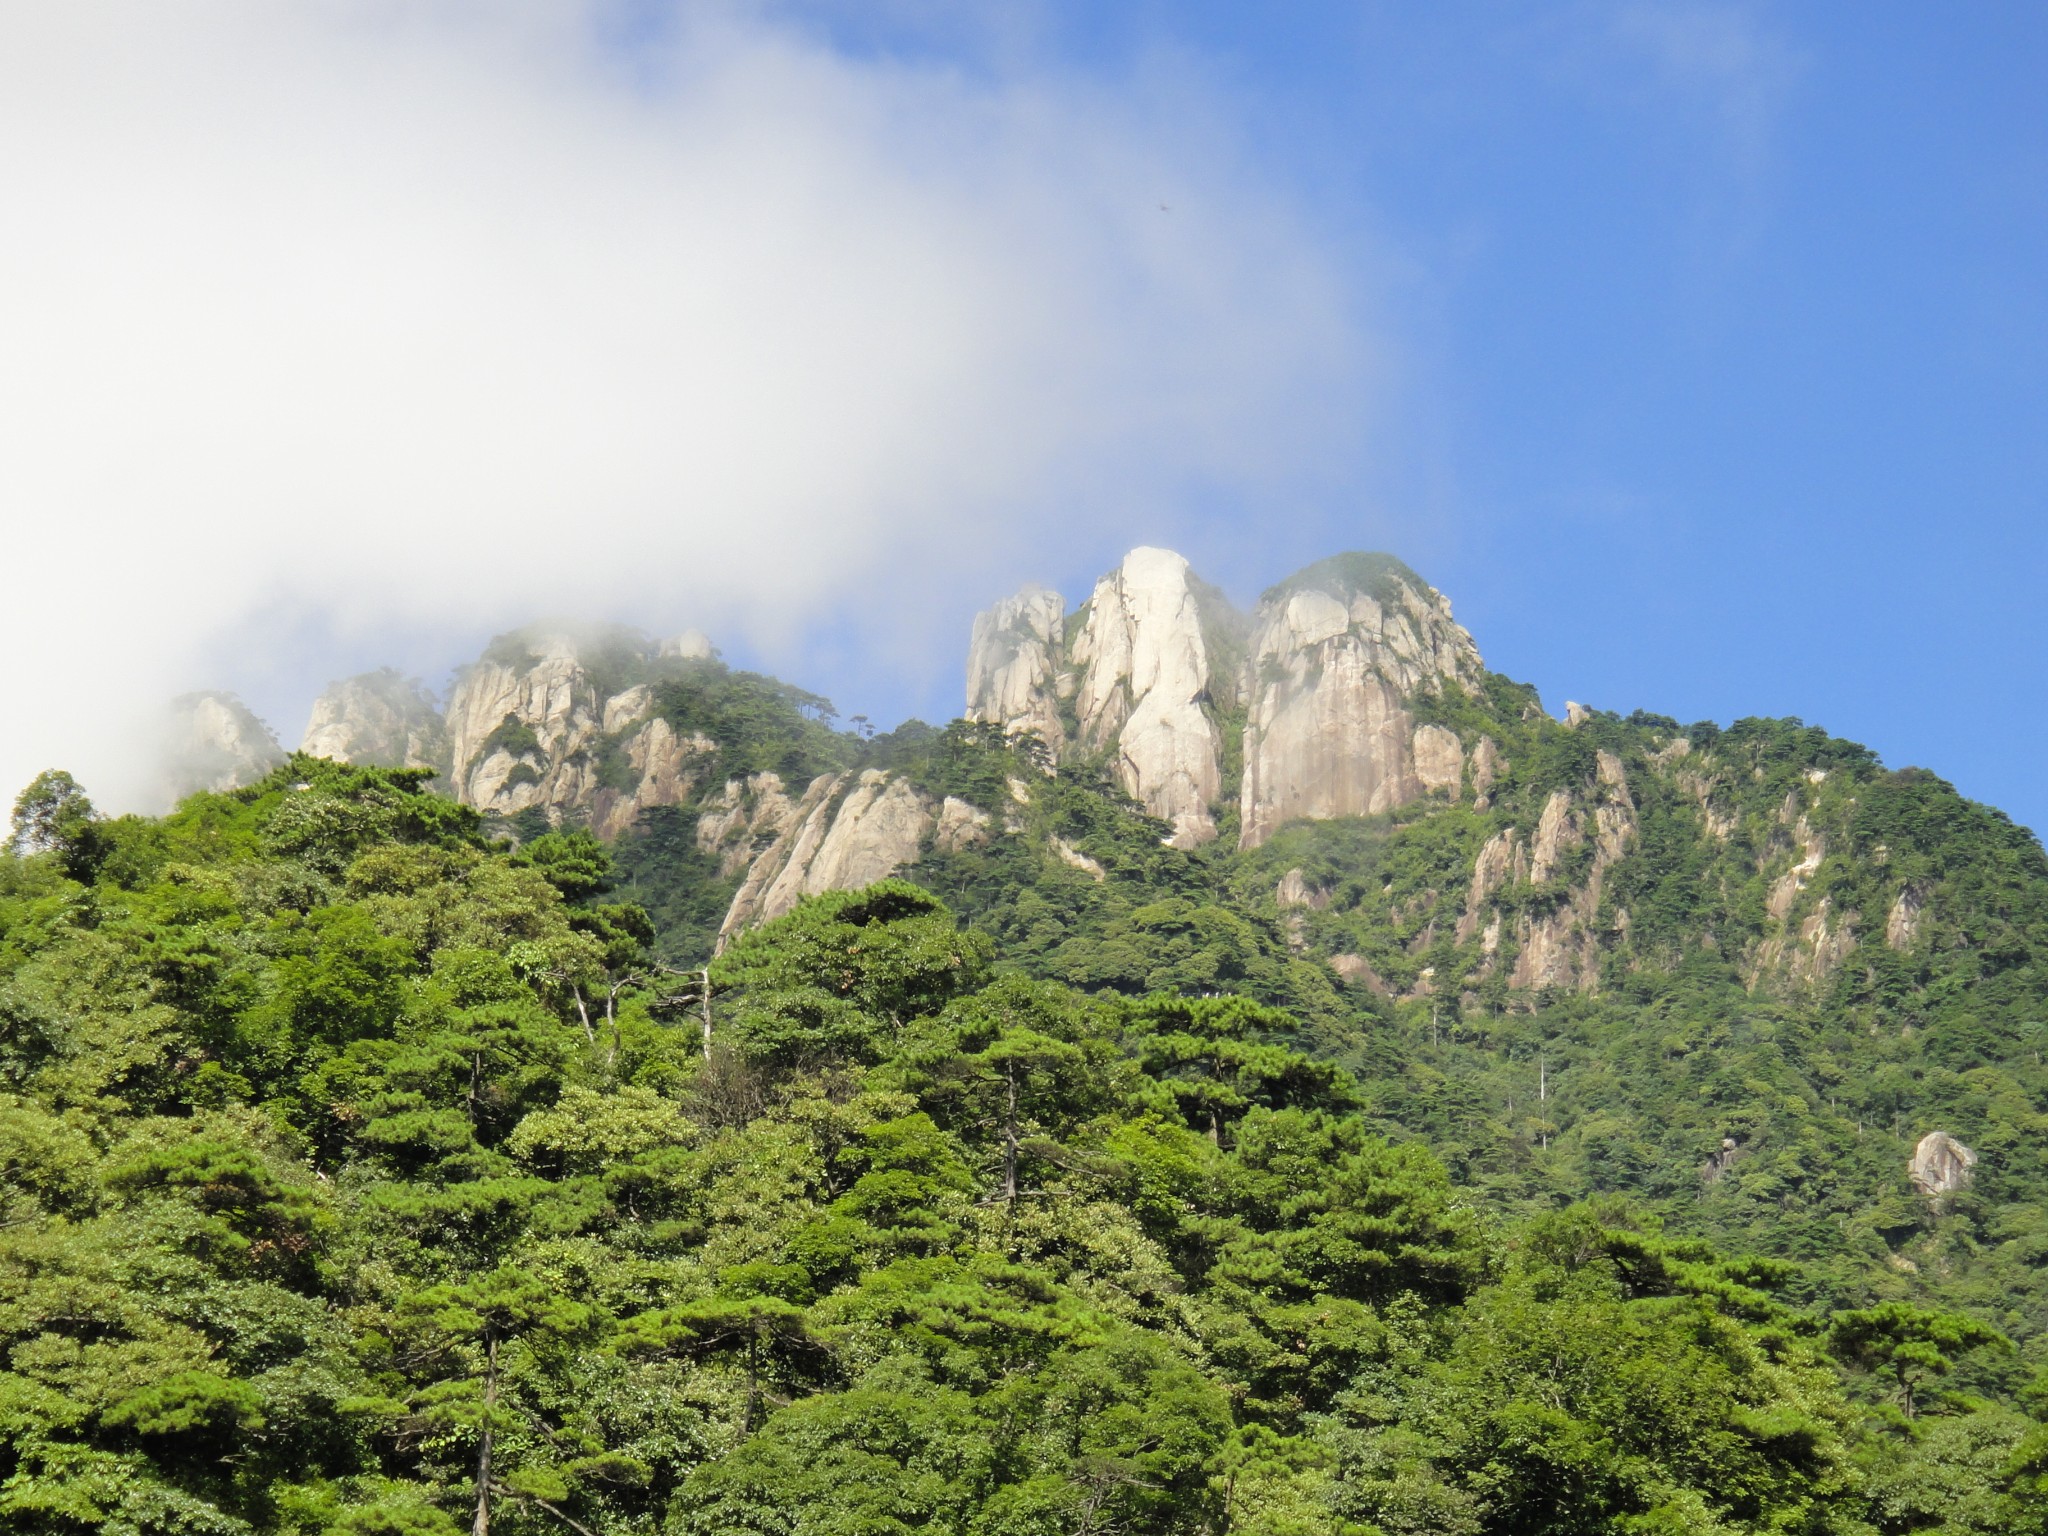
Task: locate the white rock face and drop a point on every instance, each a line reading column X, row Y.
column 628, row 708
column 527, row 726
column 843, row 835
column 1013, row 661
column 1144, row 674
column 1295, row 891
column 1487, row 767
column 1941, row 1166
column 1812, row 950
column 1439, row 760
column 667, row 766
column 1560, row 948
column 960, row 826
column 1902, row 923
column 1785, row 889
column 690, row 645
column 519, row 735
column 744, row 820
column 1074, row 858
column 214, row 742
column 1358, row 970
column 1332, row 667
column 380, row 719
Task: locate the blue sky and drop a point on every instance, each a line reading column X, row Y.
column 1721, row 335
column 1698, row 350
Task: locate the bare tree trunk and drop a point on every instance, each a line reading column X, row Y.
column 1010, row 1141
column 584, row 1014
column 705, row 998
column 482, row 1525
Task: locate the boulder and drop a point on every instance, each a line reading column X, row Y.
column 1941, row 1167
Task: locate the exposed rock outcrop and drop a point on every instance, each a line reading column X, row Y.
column 215, row 742
column 744, row 821
column 520, row 725
column 1013, row 665
column 1809, row 952
column 1561, row 947
column 1074, row 858
column 1730, row 1154
column 1487, row 767
column 1439, row 760
column 379, row 719
column 1144, row 678
column 528, row 725
column 1295, row 891
column 1786, row 888
column 847, row 831
column 1336, row 653
column 666, row 768
column 1490, row 872
column 690, row 645
column 960, row 825
column 1902, row 923
column 1358, row 970
column 1141, row 673
column 1326, row 671
column 1941, row 1167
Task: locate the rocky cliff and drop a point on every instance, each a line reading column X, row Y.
column 567, row 723
column 1349, row 692
column 1161, row 671
column 215, row 742
column 383, row 719
column 1337, row 654
column 1145, row 674
column 849, row 830
column 1015, row 666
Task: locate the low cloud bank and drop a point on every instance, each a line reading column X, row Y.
column 323, row 325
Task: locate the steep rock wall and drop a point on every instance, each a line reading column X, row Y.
column 380, row 719
column 667, row 768
column 1144, row 677
column 1013, row 663
column 847, row 831
column 519, row 727
column 215, row 742
column 1336, row 653
column 529, row 726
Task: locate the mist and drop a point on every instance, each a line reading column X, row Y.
column 335, row 335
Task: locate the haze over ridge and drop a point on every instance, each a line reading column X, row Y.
column 362, row 332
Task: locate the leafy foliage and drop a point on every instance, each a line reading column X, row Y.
column 360, row 1175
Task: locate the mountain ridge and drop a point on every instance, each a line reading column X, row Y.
column 1434, row 1042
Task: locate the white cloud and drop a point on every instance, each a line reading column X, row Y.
column 425, row 318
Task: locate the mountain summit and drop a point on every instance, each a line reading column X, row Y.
column 1254, row 1071
column 1310, row 692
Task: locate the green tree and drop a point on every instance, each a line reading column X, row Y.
column 53, row 815
column 458, row 1331
column 1911, row 1345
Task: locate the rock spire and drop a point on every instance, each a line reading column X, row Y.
column 1159, row 666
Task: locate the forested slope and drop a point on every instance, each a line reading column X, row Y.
column 1735, row 974
column 363, row 1174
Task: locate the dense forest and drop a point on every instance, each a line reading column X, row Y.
column 1788, row 965
column 368, row 1169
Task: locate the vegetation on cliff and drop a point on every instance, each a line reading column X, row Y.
column 364, row 1175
